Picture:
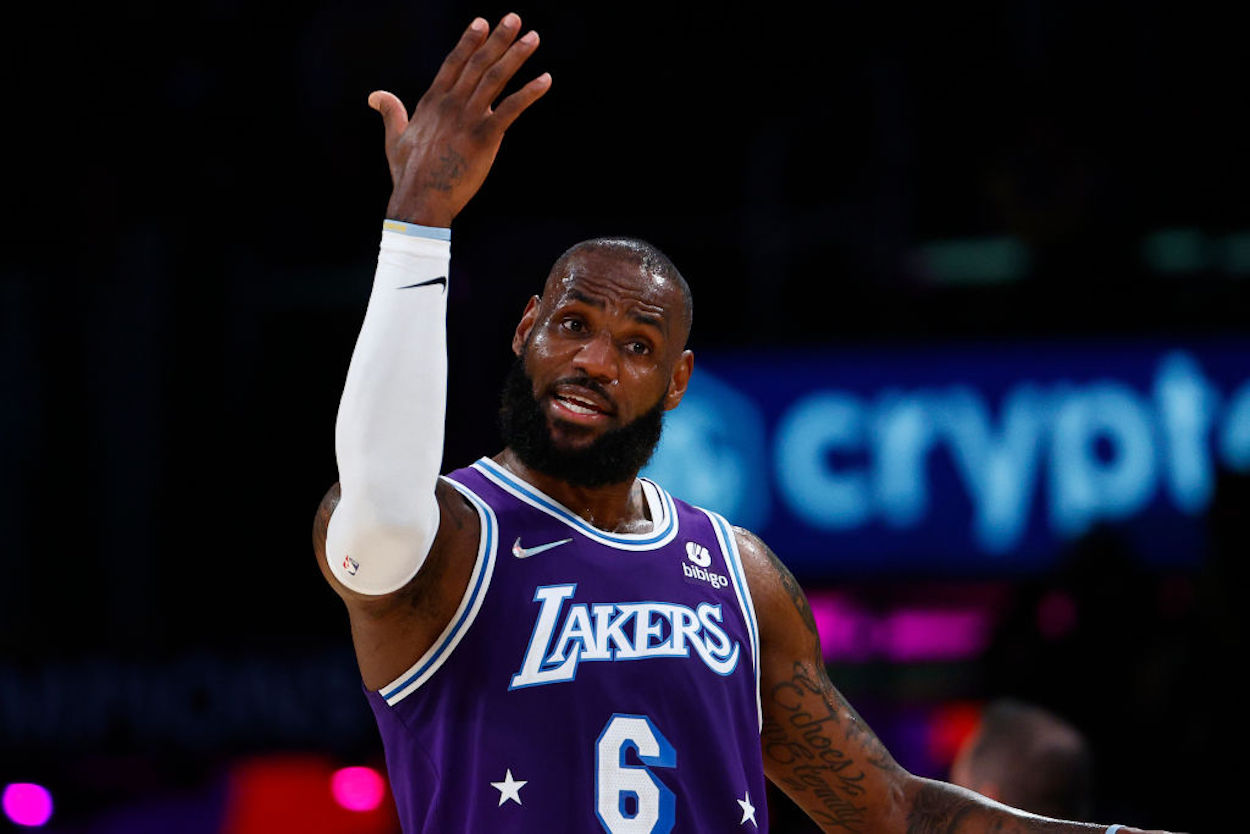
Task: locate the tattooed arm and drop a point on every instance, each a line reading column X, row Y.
column 821, row 753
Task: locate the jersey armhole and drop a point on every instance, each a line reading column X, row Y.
column 737, row 575
column 466, row 613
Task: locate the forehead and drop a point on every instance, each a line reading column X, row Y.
column 616, row 280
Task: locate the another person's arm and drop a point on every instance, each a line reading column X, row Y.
column 824, row 757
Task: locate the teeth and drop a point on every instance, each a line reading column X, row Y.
column 577, row 407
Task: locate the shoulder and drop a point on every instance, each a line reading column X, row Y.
column 780, row 603
column 763, row 568
column 762, row 565
column 457, row 511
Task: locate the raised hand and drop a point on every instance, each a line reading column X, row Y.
column 441, row 155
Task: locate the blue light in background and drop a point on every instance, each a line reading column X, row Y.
column 715, row 447
column 956, row 459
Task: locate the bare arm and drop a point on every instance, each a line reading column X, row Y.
column 821, row 753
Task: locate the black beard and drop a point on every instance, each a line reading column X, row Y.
column 614, row 457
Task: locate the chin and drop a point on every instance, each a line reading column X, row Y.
column 566, row 437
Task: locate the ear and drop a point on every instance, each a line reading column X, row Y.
column 525, row 325
column 680, row 380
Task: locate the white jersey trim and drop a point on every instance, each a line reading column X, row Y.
column 665, row 521
column 470, row 604
column 737, row 575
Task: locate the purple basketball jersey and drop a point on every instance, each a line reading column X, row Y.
column 589, row 681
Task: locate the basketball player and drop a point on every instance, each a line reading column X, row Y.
column 550, row 643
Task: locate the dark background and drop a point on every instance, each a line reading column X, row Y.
column 194, row 196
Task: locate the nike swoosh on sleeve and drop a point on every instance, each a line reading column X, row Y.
column 442, row 279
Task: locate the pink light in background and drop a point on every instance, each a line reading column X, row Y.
column 304, row 793
column 908, row 633
column 839, row 624
column 935, row 634
column 358, row 788
column 27, row 804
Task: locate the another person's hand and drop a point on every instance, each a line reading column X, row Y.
column 441, row 155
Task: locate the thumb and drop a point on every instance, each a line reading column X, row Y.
column 394, row 116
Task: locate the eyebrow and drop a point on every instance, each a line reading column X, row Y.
column 578, row 295
column 641, row 318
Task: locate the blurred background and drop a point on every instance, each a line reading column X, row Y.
column 971, row 295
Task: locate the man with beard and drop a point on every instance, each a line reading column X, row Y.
column 549, row 642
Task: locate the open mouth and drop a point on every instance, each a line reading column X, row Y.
column 581, row 403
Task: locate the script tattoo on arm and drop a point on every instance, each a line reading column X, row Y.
column 809, row 767
column 816, row 747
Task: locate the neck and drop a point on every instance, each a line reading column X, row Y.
column 613, row 508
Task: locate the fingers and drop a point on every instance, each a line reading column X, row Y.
column 394, row 115
column 454, row 63
column 514, row 105
column 501, row 72
column 485, row 56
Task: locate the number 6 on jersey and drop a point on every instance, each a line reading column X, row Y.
column 630, row 799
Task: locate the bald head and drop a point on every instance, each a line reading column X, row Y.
column 1029, row 758
column 653, row 267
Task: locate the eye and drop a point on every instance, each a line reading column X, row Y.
column 638, row 348
column 573, row 325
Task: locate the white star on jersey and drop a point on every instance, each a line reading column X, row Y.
column 510, row 788
column 748, row 810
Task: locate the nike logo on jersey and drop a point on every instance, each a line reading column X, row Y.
column 619, row 631
column 442, row 279
column 526, row 552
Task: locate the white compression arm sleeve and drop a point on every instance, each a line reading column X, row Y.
column 389, row 433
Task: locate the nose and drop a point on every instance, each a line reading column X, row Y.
column 597, row 358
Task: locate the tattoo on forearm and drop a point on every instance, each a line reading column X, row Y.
column 941, row 808
column 938, row 811
column 817, row 747
column 806, row 716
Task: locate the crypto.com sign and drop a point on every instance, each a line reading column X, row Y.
column 961, row 459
